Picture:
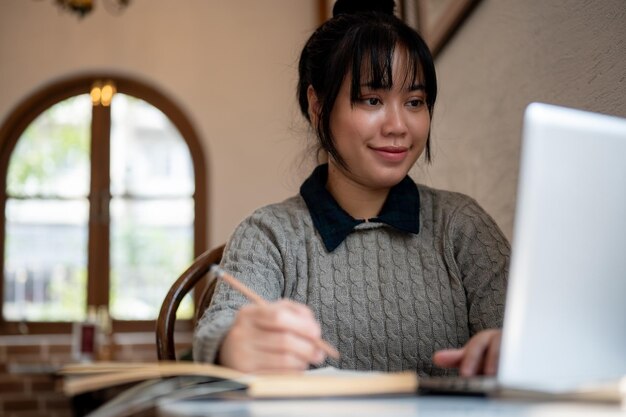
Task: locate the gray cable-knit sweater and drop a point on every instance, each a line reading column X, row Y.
column 386, row 299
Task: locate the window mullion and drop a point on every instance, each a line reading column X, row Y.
column 99, row 198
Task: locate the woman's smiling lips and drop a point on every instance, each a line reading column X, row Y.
column 391, row 153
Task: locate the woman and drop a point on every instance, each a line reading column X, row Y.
column 387, row 271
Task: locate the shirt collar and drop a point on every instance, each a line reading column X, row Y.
column 401, row 209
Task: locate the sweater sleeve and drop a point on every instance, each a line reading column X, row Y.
column 253, row 257
column 481, row 253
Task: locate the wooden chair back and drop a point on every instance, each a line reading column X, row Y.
column 182, row 286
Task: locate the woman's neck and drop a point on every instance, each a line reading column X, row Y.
column 357, row 200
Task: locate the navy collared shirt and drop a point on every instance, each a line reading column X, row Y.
column 401, row 209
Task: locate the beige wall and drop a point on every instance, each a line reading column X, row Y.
column 509, row 53
column 231, row 65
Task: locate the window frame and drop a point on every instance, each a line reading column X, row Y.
column 25, row 113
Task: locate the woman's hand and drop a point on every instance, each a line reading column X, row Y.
column 478, row 356
column 278, row 336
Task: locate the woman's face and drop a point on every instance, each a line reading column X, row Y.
column 380, row 136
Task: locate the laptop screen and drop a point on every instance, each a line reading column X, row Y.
column 565, row 318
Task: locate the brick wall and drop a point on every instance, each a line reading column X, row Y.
column 28, row 385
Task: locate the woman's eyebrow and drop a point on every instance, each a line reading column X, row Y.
column 371, row 85
column 416, row 87
column 376, row 86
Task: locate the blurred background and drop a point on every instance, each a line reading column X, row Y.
column 133, row 138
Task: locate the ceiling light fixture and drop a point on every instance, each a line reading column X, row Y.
column 83, row 7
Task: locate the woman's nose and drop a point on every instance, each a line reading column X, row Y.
column 394, row 123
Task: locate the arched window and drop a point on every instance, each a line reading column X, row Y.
column 104, row 202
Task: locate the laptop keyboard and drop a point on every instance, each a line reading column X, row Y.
column 457, row 385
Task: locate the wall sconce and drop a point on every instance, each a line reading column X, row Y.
column 83, row 7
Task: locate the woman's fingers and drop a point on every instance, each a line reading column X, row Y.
column 272, row 337
column 251, row 359
column 289, row 344
column 287, row 315
column 288, row 328
column 479, row 355
column 449, row 358
column 475, row 351
column 493, row 355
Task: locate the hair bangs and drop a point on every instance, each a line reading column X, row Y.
column 373, row 67
column 372, row 62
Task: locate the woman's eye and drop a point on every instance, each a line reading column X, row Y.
column 417, row 102
column 372, row 101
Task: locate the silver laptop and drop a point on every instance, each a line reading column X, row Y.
column 565, row 315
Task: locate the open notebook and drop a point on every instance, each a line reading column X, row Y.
column 565, row 316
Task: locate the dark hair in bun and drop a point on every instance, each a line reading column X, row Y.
column 359, row 42
column 357, row 6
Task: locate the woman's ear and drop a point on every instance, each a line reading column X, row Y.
column 314, row 105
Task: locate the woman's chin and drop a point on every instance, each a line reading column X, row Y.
column 388, row 178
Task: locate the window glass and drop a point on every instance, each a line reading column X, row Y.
column 152, row 211
column 51, row 158
column 45, row 259
column 151, row 245
column 149, row 157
